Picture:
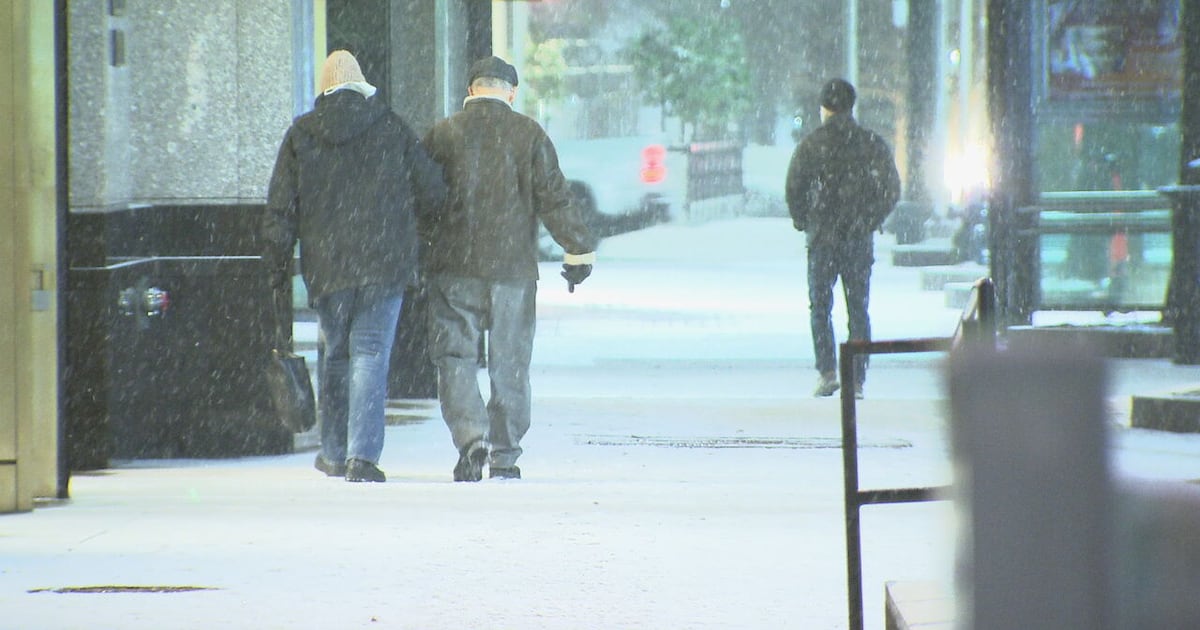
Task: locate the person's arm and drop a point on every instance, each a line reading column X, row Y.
column 556, row 208
column 887, row 182
column 428, row 216
column 563, row 218
column 798, row 186
column 427, row 179
column 278, row 225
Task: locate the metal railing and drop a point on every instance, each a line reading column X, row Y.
column 976, row 326
column 714, row 169
column 1106, row 251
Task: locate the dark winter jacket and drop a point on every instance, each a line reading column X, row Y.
column 842, row 181
column 503, row 174
column 348, row 181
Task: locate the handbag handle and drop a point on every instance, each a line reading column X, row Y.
column 282, row 312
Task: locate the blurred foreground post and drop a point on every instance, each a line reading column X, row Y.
column 1033, row 490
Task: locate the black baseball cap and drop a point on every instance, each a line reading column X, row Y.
column 493, row 67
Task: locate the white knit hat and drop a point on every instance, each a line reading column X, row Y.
column 341, row 68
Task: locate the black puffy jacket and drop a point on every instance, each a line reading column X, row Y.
column 349, row 180
column 842, row 181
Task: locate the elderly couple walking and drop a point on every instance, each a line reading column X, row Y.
column 376, row 210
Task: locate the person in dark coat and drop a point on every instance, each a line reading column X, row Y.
column 841, row 185
column 348, row 182
column 504, row 178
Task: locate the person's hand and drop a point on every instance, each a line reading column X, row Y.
column 799, row 225
column 575, row 274
column 280, row 279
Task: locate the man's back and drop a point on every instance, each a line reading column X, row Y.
column 503, row 175
column 348, row 180
column 842, row 180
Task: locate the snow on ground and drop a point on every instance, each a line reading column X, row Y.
column 678, row 474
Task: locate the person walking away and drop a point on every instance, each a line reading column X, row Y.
column 841, row 185
column 503, row 174
column 348, row 182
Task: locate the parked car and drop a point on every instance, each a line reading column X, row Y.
column 621, row 184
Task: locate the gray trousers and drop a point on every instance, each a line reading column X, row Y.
column 461, row 312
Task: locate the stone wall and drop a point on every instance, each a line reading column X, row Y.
column 190, row 109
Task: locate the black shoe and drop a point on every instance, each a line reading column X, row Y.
column 470, row 462
column 331, row 469
column 363, row 470
column 504, row 472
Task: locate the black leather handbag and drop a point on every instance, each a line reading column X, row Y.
column 288, row 380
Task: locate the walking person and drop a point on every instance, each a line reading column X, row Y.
column 503, row 175
column 348, row 181
column 841, row 185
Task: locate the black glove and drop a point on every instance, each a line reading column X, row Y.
column 575, row 274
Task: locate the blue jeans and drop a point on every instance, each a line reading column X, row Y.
column 357, row 328
column 850, row 259
column 461, row 312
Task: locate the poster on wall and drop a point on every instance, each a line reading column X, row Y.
column 1113, row 48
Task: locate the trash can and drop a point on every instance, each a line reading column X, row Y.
column 165, row 354
column 907, row 221
column 166, row 359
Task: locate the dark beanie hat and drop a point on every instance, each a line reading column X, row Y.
column 493, row 67
column 837, row 96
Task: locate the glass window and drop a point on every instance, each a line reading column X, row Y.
column 1106, row 156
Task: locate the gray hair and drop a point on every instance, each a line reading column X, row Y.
column 491, row 82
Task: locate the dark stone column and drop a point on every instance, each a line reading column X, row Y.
column 908, row 219
column 398, row 45
column 1182, row 309
column 409, row 51
column 413, row 82
column 62, row 141
column 922, row 95
column 362, row 27
column 1010, row 101
column 479, row 30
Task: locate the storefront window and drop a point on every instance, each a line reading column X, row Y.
column 1106, row 156
column 1112, row 48
column 1107, row 137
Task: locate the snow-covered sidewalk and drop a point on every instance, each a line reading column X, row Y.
column 678, row 475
